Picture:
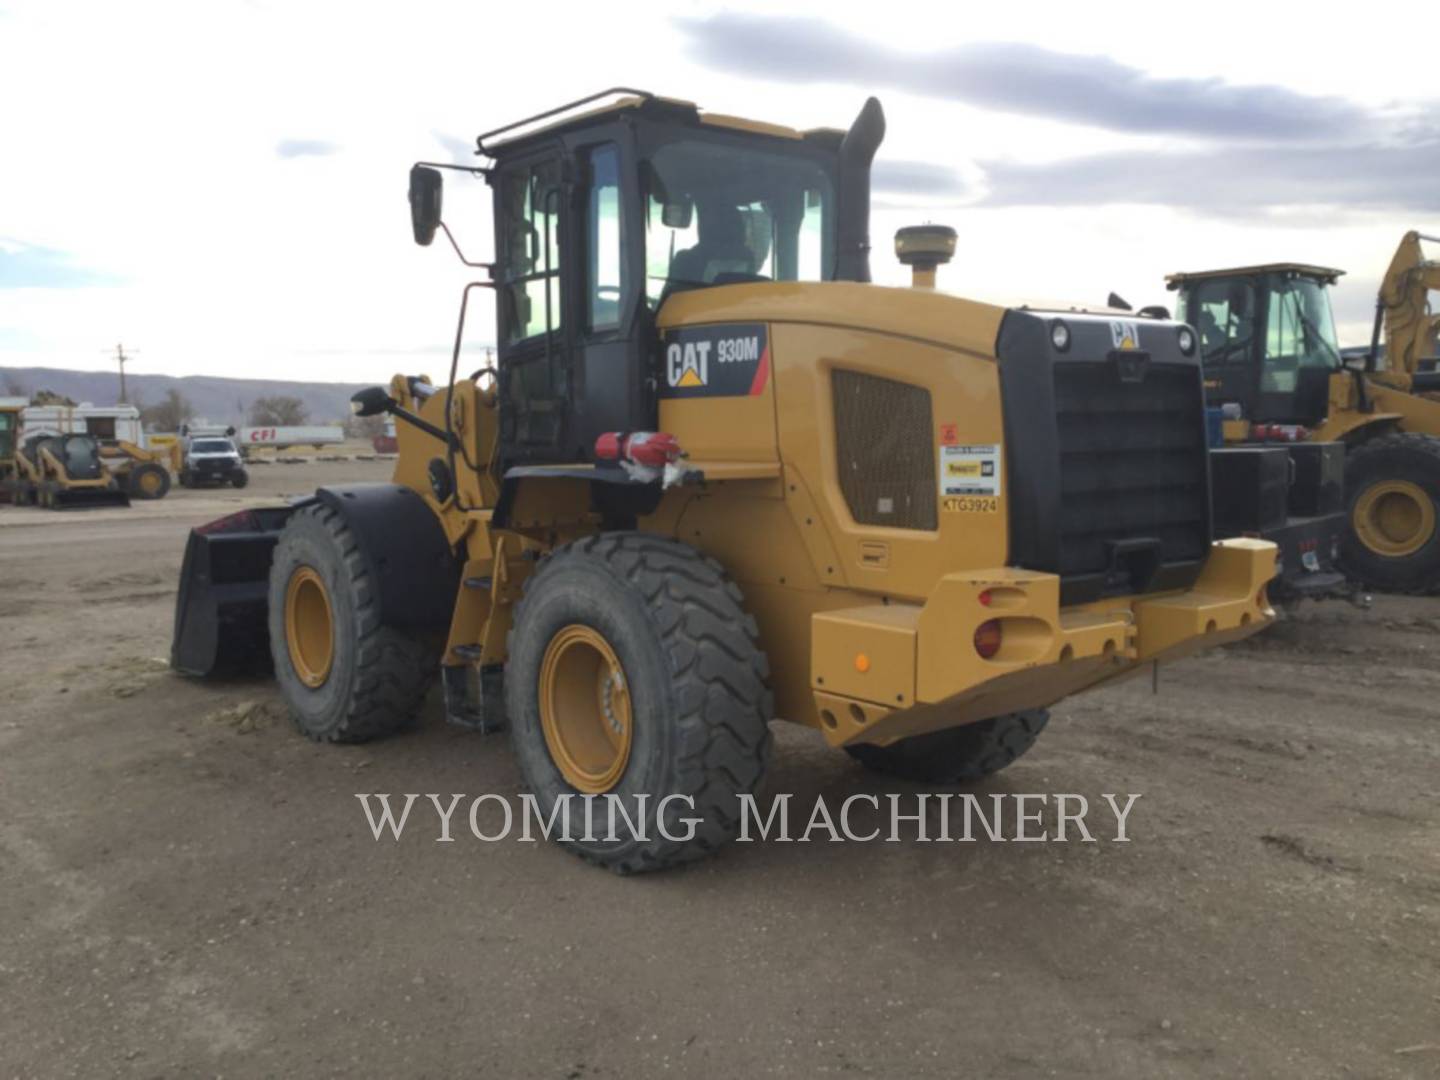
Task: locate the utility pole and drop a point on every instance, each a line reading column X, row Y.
column 120, row 358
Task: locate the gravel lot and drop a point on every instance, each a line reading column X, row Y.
column 190, row 887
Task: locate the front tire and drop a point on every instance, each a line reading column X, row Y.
column 634, row 671
column 346, row 676
column 149, row 480
column 1392, row 489
column 239, row 478
column 960, row 755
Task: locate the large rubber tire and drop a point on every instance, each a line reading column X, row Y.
column 960, row 755
column 239, row 478
column 149, row 480
column 378, row 675
column 1409, row 459
column 695, row 676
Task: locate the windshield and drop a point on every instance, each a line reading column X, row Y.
column 7, row 434
column 718, row 214
column 1299, row 332
column 212, row 446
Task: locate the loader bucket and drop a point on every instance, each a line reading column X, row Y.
column 87, row 498
column 221, row 610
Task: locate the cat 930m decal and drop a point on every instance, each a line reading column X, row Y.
column 730, row 360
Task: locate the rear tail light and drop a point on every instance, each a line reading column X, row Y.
column 987, row 638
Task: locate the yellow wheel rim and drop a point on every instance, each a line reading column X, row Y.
column 1394, row 518
column 309, row 626
column 585, row 709
column 150, row 483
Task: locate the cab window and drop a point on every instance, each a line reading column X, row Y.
column 719, row 215
column 1223, row 312
column 1299, row 332
column 530, row 253
column 605, row 271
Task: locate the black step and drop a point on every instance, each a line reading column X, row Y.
column 477, row 582
column 467, row 652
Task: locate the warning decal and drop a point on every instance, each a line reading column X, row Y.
column 970, row 470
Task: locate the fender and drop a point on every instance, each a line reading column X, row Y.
column 614, row 494
column 405, row 550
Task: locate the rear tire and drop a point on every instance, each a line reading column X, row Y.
column 960, row 755
column 372, row 679
column 663, row 637
column 149, row 481
column 1392, row 492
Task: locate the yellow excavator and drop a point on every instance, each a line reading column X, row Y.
column 1274, row 365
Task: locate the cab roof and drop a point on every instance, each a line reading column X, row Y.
column 1324, row 273
column 622, row 99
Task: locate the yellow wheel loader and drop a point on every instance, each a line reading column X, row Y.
column 1273, row 362
column 718, row 477
column 10, row 409
column 65, row 472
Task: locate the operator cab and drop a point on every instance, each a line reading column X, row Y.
column 607, row 207
column 1267, row 338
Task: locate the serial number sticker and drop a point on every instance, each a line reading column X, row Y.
column 971, row 504
column 970, row 470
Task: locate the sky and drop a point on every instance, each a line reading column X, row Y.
column 221, row 185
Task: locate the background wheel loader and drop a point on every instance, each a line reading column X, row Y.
column 65, row 472
column 1273, row 360
column 716, row 477
column 10, row 409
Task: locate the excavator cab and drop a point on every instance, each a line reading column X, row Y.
column 1267, row 339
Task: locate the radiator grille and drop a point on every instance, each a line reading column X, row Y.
column 1132, row 465
column 885, row 451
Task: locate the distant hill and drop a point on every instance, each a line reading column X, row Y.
column 221, row 400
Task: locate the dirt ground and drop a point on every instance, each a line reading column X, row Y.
column 189, row 887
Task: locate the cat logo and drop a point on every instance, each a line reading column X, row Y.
column 1124, row 334
column 688, row 364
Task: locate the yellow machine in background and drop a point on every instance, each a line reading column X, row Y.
column 1273, row 360
column 63, row 472
column 718, row 477
column 10, row 409
column 143, row 466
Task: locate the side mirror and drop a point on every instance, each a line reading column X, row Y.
column 426, row 185
column 373, row 400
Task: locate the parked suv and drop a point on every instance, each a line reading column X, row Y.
column 212, row 460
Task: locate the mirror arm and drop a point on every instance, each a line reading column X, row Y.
column 415, row 421
column 488, row 267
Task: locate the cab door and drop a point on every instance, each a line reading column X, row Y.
column 532, row 323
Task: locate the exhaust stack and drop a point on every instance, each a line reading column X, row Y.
column 857, row 151
column 923, row 248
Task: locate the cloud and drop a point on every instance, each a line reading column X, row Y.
column 916, row 178
column 1263, row 146
column 1230, row 180
column 297, row 148
column 1022, row 78
column 24, row 266
column 460, row 151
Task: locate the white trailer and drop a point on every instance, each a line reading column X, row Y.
column 278, row 438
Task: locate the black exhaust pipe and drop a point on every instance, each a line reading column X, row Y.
column 857, row 151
